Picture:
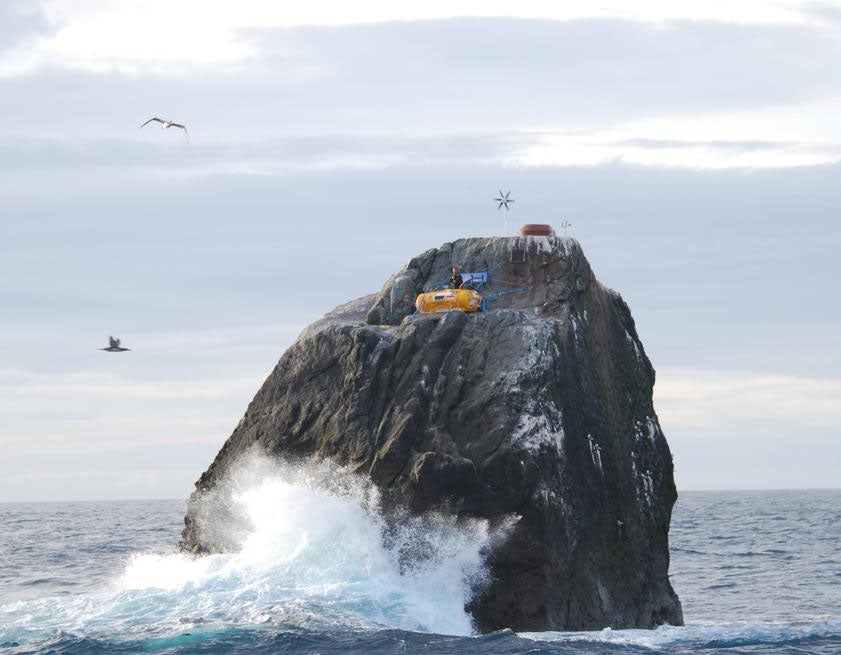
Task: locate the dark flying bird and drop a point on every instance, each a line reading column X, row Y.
column 503, row 200
column 114, row 346
column 168, row 124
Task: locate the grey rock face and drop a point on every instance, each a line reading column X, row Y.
column 540, row 408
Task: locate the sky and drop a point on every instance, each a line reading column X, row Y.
column 694, row 147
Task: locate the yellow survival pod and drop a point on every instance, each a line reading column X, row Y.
column 444, row 300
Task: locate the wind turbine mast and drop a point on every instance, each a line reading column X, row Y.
column 503, row 201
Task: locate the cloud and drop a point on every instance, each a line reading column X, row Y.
column 172, row 391
column 457, row 76
column 283, row 156
column 116, row 481
column 92, row 413
column 151, row 35
column 702, row 404
column 594, row 149
column 20, row 387
column 572, row 73
column 750, row 430
column 158, row 155
column 21, row 22
column 825, row 12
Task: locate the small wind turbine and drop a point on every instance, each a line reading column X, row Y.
column 565, row 225
column 503, row 201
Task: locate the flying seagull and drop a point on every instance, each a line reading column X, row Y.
column 168, row 124
column 114, row 346
column 503, row 200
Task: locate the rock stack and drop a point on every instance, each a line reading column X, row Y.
column 540, row 408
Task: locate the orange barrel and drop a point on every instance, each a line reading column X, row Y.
column 537, row 230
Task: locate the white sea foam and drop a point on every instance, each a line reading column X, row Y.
column 699, row 634
column 311, row 550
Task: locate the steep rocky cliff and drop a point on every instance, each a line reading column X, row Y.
column 539, row 408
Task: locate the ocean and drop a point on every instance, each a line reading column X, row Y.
column 757, row 572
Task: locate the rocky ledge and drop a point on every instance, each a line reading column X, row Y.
column 540, row 408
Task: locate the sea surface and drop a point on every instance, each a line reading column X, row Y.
column 317, row 572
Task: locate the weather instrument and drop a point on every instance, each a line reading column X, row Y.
column 504, row 201
column 565, row 225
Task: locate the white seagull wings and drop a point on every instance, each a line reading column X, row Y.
column 165, row 124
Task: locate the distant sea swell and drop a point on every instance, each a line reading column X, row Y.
column 758, row 572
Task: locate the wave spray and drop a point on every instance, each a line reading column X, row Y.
column 306, row 548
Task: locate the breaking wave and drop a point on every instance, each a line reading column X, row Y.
column 311, row 550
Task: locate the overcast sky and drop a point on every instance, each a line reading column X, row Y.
column 695, row 148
